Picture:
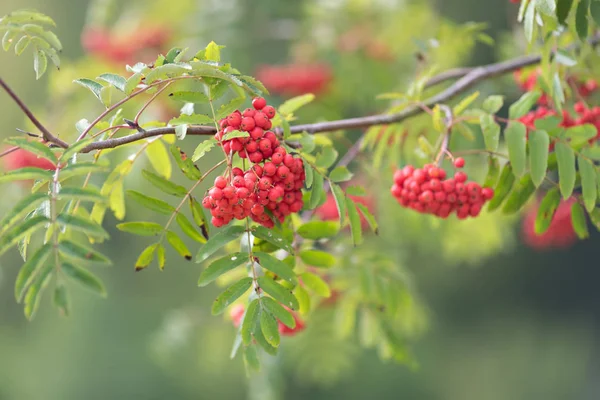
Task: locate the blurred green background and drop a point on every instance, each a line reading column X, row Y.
column 516, row 325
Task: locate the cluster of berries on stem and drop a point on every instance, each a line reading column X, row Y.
column 272, row 185
column 429, row 191
column 295, row 79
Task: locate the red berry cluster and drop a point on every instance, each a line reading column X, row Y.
column 529, row 82
column 295, row 79
column 22, row 158
column 560, row 233
column 129, row 48
column 273, row 182
column 237, row 312
column 428, row 191
column 585, row 115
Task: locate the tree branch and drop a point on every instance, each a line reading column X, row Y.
column 468, row 78
column 48, row 137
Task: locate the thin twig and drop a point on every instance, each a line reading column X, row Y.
column 8, row 151
column 48, row 137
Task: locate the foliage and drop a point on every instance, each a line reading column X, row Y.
column 302, row 262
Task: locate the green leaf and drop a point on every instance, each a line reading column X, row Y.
column 460, row 107
column 491, row 132
column 503, row 188
column 178, row 244
column 519, row 196
column 186, row 165
column 203, row 148
column 579, row 222
column 212, row 52
column 187, row 228
column 82, row 224
column 354, row 217
column 326, row 157
column 34, row 147
column 115, row 80
column 220, row 266
column 493, row 104
column 546, row 6
column 589, row 152
column 8, row 39
column 493, row 172
column 93, row 86
column 81, row 194
column 523, row 105
column 303, row 299
column 21, row 45
column 538, row 156
column 230, row 107
column 317, row 258
column 164, row 185
column 81, row 253
column 316, row 230
column 160, row 256
column 292, row 105
column 310, row 176
column 146, row 257
column 594, row 11
column 231, row 294
column 316, row 284
column 190, row 97
column 279, row 312
column 276, row 266
column 84, row 277
column 581, row 19
column 151, row 203
column 218, row 241
column 515, row 135
column 270, row 329
column 580, row 134
column 273, row 237
column 340, row 202
column 20, row 209
column 21, row 230
column 286, row 129
column 194, row 119
column 562, row 10
column 317, row 191
column 26, row 173
column 340, row 174
column 30, row 270
column 355, row 190
column 369, row 217
column 529, row 22
column 278, row 292
column 546, row 210
column 251, row 359
column 74, row 148
column 141, row 228
column 235, row 134
column 550, row 124
column 166, row 71
column 132, row 82
column 562, row 57
column 566, row 169
column 159, row 158
column 33, row 295
column 61, row 299
column 250, row 321
column 198, row 215
column 589, row 179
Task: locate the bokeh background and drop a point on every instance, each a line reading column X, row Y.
column 499, row 320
